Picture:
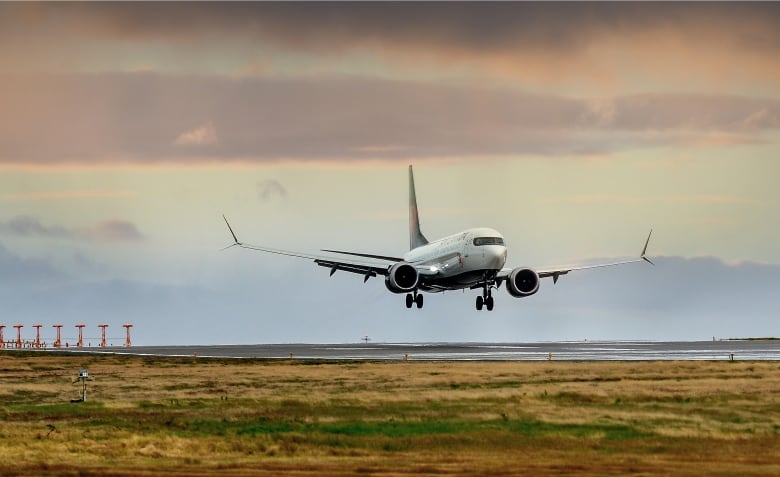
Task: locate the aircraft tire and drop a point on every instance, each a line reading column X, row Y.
column 419, row 300
column 480, row 301
column 409, row 300
column 489, row 303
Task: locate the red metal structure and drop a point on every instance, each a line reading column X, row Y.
column 103, row 335
column 127, row 339
column 80, row 343
column 2, row 340
column 18, row 335
column 58, row 342
column 37, row 343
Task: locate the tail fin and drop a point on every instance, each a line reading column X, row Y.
column 416, row 238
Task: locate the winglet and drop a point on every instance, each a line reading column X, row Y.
column 235, row 239
column 644, row 250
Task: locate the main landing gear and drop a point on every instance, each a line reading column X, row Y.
column 486, row 299
column 414, row 299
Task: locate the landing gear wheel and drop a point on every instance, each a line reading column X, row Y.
column 409, row 300
column 480, row 301
column 419, row 300
column 489, row 303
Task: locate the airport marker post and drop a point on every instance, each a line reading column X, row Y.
column 103, row 335
column 127, row 338
column 58, row 341
column 80, row 343
column 37, row 335
column 18, row 335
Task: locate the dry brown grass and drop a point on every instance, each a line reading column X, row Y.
column 150, row 416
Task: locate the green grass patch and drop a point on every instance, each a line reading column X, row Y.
column 61, row 410
column 411, row 428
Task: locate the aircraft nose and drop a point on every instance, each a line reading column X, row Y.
column 497, row 256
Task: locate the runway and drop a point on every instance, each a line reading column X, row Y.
column 559, row 351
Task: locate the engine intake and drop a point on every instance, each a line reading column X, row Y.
column 522, row 282
column 402, row 278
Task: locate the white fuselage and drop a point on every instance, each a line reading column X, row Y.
column 460, row 260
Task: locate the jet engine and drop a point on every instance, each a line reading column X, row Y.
column 522, row 282
column 402, row 278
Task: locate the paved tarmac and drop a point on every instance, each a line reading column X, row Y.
column 560, row 351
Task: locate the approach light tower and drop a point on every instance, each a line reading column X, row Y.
column 18, row 335
column 58, row 342
column 80, row 343
column 103, row 335
column 2, row 340
column 127, row 339
column 37, row 343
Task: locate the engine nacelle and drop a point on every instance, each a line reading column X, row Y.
column 522, row 282
column 402, row 278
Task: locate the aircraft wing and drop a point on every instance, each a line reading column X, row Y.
column 367, row 268
column 557, row 272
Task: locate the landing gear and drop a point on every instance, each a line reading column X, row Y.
column 486, row 299
column 414, row 299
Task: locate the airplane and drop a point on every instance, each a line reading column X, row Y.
column 472, row 259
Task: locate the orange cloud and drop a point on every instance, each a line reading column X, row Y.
column 53, row 119
column 205, row 135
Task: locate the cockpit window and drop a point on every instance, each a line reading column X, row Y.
column 488, row 241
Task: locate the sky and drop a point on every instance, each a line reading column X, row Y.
column 128, row 129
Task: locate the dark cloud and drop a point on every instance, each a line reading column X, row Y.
column 325, row 26
column 136, row 117
column 26, row 226
column 111, row 230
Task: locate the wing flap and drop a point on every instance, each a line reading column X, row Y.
column 366, row 270
column 367, row 255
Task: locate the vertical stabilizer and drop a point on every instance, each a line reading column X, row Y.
column 416, row 238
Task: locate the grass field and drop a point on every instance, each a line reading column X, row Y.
column 177, row 416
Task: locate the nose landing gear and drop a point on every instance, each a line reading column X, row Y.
column 486, row 299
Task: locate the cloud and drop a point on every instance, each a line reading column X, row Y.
column 107, row 231
column 323, row 26
column 112, row 230
column 678, row 299
column 671, row 199
column 70, row 194
column 592, row 44
column 270, row 188
column 26, row 226
column 380, row 80
column 205, row 135
column 17, row 272
column 346, row 118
